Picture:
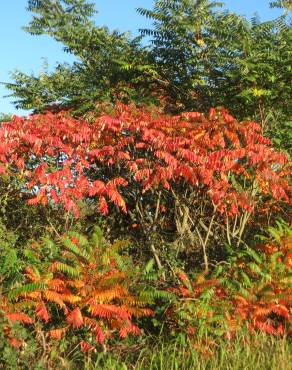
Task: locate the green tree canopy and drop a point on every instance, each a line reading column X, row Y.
column 211, row 57
column 108, row 64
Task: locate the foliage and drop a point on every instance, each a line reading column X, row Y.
column 254, row 289
column 284, row 4
column 184, row 195
column 212, row 169
column 86, row 289
column 107, row 65
column 264, row 77
column 191, row 180
column 20, row 225
column 181, row 48
column 263, row 283
column 199, row 56
column 5, row 117
column 207, row 57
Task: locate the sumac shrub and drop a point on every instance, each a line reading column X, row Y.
column 88, row 291
column 190, row 179
column 252, row 290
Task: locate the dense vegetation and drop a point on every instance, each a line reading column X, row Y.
column 142, row 225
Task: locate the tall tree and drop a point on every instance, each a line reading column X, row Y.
column 108, row 64
column 210, row 57
column 182, row 47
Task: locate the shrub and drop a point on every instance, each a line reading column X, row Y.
column 253, row 290
column 87, row 289
column 190, row 177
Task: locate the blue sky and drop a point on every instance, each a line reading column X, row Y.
column 27, row 53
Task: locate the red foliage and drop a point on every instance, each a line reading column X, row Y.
column 86, row 347
column 62, row 160
column 75, row 318
column 41, row 312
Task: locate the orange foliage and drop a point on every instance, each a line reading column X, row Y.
column 266, row 304
column 88, row 290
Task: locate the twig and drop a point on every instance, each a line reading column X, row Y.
column 157, row 259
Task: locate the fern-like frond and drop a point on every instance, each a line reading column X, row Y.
column 75, row 249
column 108, row 311
column 52, row 296
column 105, row 296
column 65, row 268
column 26, row 290
column 19, row 316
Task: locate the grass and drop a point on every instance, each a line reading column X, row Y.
column 246, row 352
column 258, row 353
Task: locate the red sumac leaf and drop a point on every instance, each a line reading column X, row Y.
column 41, row 312
column 98, row 187
column 103, row 206
column 19, row 316
column 100, row 337
column 75, row 318
column 86, row 347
